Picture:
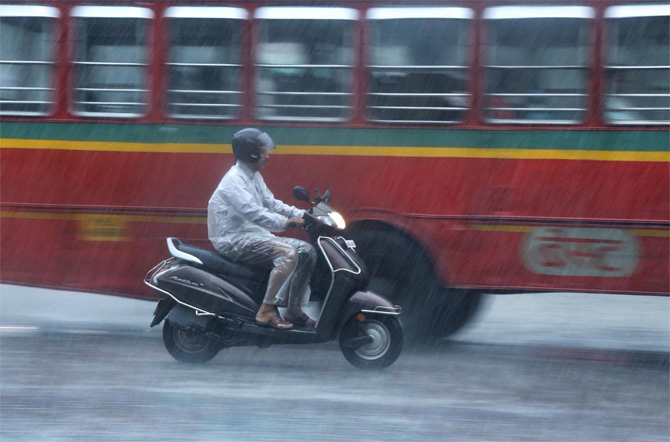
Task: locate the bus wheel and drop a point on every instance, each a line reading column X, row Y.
column 401, row 272
column 455, row 309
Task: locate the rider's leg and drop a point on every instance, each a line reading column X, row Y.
column 299, row 287
column 283, row 259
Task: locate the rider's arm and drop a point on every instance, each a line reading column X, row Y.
column 277, row 206
column 246, row 204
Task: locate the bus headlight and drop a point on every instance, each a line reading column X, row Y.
column 339, row 220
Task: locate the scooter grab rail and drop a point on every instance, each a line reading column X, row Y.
column 154, row 270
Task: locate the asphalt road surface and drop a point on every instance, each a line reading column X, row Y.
column 547, row 367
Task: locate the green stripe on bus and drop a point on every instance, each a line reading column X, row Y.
column 605, row 140
column 375, row 151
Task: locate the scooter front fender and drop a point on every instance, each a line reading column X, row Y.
column 368, row 303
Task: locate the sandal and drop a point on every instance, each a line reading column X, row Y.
column 276, row 321
column 301, row 320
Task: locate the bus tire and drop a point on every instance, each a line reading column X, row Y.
column 400, row 271
column 450, row 315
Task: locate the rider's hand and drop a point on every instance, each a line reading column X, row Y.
column 296, row 221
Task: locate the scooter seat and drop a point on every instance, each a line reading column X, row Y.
column 217, row 263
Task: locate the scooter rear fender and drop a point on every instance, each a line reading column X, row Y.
column 368, row 303
column 162, row 309
column 187, row 318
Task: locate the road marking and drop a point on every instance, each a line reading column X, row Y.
column 17, row 329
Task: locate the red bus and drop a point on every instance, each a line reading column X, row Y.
column 473, row 146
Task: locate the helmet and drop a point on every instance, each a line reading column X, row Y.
column 248, row 144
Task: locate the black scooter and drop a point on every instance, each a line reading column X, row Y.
column 210, row 302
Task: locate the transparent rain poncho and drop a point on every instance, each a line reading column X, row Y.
column 241, row 215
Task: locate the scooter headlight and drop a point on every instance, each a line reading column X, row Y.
column 326, row 220
column 339, row 220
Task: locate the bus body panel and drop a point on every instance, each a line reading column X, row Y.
column 86, row 201
column 512, row 220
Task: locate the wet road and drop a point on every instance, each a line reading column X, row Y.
column 559, row 367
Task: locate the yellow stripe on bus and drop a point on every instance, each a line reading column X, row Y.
column 374, row 151
column 105, row 146
column 652, row 233
column 525, row 229
column 102, row 221
column 468, row 152
column 102, row 227
column 91, row 216
column 501, row 228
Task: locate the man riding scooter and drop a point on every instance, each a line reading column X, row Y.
column 241, row 215
column 210, row 303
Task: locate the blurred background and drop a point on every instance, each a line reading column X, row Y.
column 501, row 166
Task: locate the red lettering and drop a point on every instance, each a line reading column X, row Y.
column 581, row 252
column 581, row 255
column 602, row 264
column 551, row 255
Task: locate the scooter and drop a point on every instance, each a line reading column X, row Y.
column 209, row 302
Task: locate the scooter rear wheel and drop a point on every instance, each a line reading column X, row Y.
column 189, row 345
column 384, row 346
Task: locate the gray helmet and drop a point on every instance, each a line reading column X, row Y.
column 249, row 143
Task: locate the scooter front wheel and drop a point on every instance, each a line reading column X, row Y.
column 372, row 344
column 189, row 345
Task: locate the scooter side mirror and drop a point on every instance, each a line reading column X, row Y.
column 300, row 193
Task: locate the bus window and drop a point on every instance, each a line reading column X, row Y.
column 638, row 64
column 204, row 62
column 304, row 63
column 111, row 61
column 27, row 59
column 535, row 61
column 413, row 79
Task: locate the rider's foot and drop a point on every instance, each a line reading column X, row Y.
column 269, row 315
column 299, row 318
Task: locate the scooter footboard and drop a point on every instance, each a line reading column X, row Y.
column 368, row 303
